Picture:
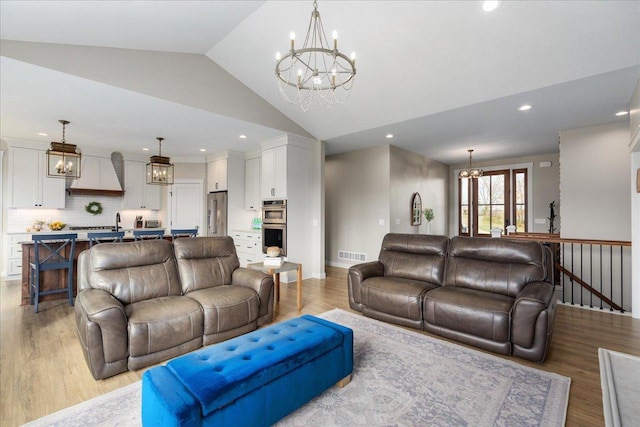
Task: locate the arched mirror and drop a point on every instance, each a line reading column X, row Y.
column 416, row 209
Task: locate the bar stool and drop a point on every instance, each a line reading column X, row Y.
column 105, row 236
column 147, row 234
column 183, row 232
column 49, row 254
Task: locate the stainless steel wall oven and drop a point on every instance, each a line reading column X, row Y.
column 274, row 225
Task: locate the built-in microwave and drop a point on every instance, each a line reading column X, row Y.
column 274, row 212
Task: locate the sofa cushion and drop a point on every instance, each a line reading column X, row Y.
column 500, row 266
column 396, row 296
column 482, row 314
column 161, row 323
column 414, row 256
column 204, row 262
column 227, row 307
column 134, row 271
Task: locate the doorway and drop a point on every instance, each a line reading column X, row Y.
column 186, row 205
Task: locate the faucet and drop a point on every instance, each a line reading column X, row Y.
column 118, row 221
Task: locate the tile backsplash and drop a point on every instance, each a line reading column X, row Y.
column 74, row 214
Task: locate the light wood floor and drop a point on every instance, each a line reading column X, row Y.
column 42, row 369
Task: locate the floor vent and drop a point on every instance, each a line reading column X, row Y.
column 352, row 256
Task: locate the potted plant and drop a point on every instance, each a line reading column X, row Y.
column 428, row 216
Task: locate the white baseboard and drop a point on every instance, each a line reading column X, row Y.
column 339, row 264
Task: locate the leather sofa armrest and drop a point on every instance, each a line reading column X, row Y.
column 260, row 282
column 84, row 267
column 101, row 323
column 358, row 274
column 530, row 302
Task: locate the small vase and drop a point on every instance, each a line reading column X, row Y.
column 428, row 227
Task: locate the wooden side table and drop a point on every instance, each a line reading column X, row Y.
column 275, row 271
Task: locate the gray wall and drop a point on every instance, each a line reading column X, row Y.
column 412, row 173
column 545, row 188
column 356, row 200
column 368, row 194
column 594, row 182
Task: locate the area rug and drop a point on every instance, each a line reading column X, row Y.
column 620, row 381
column 400, row 378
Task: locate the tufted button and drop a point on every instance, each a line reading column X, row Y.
column 255, row 339
column 218, row 368
column 270, row 347
column 276, row 332
column 246, row 357
column 231, row 348
column 292, row 339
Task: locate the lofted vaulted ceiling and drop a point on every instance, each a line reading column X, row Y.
column 441, row 76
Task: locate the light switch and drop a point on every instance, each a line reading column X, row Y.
column 397, row 221
column 381, row 222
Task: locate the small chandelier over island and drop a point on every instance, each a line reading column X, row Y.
column 315, row 76
column 63, row 160
column 160, row 168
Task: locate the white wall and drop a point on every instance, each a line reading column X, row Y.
column 635, row 201
column 594, row 183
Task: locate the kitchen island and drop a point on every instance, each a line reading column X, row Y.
column 55, row 279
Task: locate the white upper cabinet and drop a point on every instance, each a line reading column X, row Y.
column 252, row 199
column 274, row 173
column 29, row 185
column 217, row 175
column 137, row 193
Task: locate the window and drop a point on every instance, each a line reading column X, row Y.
column 494, row 200
column 520, row 199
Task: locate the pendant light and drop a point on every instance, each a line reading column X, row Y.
column 63, row 160
column 470, row 172
column 160, row 168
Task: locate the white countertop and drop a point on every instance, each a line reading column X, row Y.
column 248, row 230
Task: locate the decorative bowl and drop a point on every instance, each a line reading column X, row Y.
column 56, row 226
column 273, row 251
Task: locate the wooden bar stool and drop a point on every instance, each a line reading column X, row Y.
column 147, row 234
column 105, row 237
column 49, row 254
column 183, row 232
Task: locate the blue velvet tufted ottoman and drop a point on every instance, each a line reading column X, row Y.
column 251, row 380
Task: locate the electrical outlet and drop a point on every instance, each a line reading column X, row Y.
column 381, row 222
column 397, row 221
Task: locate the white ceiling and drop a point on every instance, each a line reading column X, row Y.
column 442, row 76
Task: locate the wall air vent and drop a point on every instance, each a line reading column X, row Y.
column 352, row 256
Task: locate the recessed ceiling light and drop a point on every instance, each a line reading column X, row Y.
column 389, row 135
column 203, row 149
column 43, row 134
column 145, row 149
column 525, row 107
column 243, row 136
column 622, row 113
column 490, row 6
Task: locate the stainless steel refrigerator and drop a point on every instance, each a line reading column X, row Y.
column 217, row 214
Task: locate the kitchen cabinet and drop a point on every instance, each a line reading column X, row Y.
column 252, row 199
column 217, row 175
column 274, row 173
column 14, row 253
column 248, row 246
column 30, row 187
column 137, row 193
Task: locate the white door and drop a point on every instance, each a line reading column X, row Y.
column 186, row 198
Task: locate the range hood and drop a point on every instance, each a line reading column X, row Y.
column 98, row 178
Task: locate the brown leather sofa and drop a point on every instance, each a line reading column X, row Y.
column 496, row 294
column 140, row 303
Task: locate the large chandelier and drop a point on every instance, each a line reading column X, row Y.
column 470, row 172
column 315, row 76
column 63, row 160
column 160, row 168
